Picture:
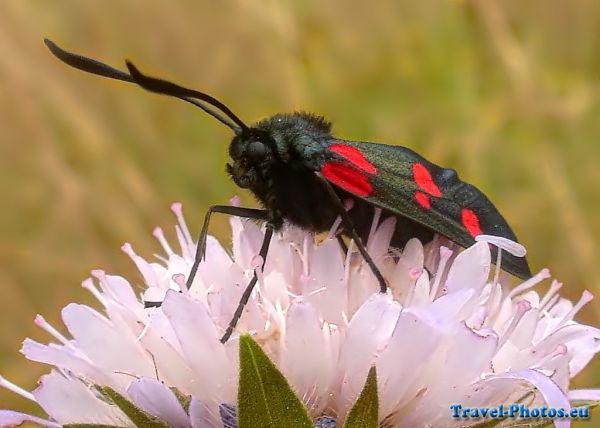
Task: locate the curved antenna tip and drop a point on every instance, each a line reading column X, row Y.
column 51, row 45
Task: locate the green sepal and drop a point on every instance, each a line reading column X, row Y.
column 365, row 412
column 531, row 423
column 587, row 403
column 265, row 398
column 91, row 426
column 489, row 423
column 183, row 399
column 139, row 417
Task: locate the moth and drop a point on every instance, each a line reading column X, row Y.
column 301, row 173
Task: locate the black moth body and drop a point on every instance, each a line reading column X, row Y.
column 301, row 174
column 278, row 160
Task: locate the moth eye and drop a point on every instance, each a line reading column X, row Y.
column 236, row 149
column 256, row 150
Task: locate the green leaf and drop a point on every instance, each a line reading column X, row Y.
column 365, row 412
column 265, row 398
column 139, row 417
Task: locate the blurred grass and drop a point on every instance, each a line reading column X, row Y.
column 505, row 92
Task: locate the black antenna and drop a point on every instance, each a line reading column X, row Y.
column 152, row 84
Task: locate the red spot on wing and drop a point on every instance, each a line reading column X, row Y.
column 423, row 200
column 471, row 222
column 424, row 180
column 354, row 156
column 348, row 178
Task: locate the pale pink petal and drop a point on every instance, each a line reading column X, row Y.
column 561, row 308
column 215, row 377
column 10, row 418
column 439, row 336
column 309, row 373
column 421, row 294
column 481, row 346
column 161, row 342
column 325, row 286
column 284, row 258
column 115, row 351
column 584, row 395
column 361, row 284
column 367, row 334
column 247, row 239
column 582, row 351
column 69, row 400
column 275, row 290
column 119, row 289
column 522, row 337
column 65, row 358
column 178, row 265
column 408, row 269
column 450, row 373
column 401, row 366
column 199, row 415
column 471, row 268
column 379, row 242
column 154, row 294
column 159, row 401
column 450, row 305
column 143, row 266
column 215, row 269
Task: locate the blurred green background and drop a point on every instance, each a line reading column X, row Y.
column 505, row 92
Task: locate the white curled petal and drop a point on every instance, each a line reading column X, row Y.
column 505, row 244
column 550, row 391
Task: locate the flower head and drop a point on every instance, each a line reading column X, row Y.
column 448, row 331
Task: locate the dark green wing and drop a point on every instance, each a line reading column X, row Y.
column 408, row 185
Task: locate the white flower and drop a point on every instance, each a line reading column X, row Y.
column 455, row 337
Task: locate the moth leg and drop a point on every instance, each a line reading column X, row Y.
column 354, row 235
column 264, row 249
column 252, row 213
column 201, row 247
